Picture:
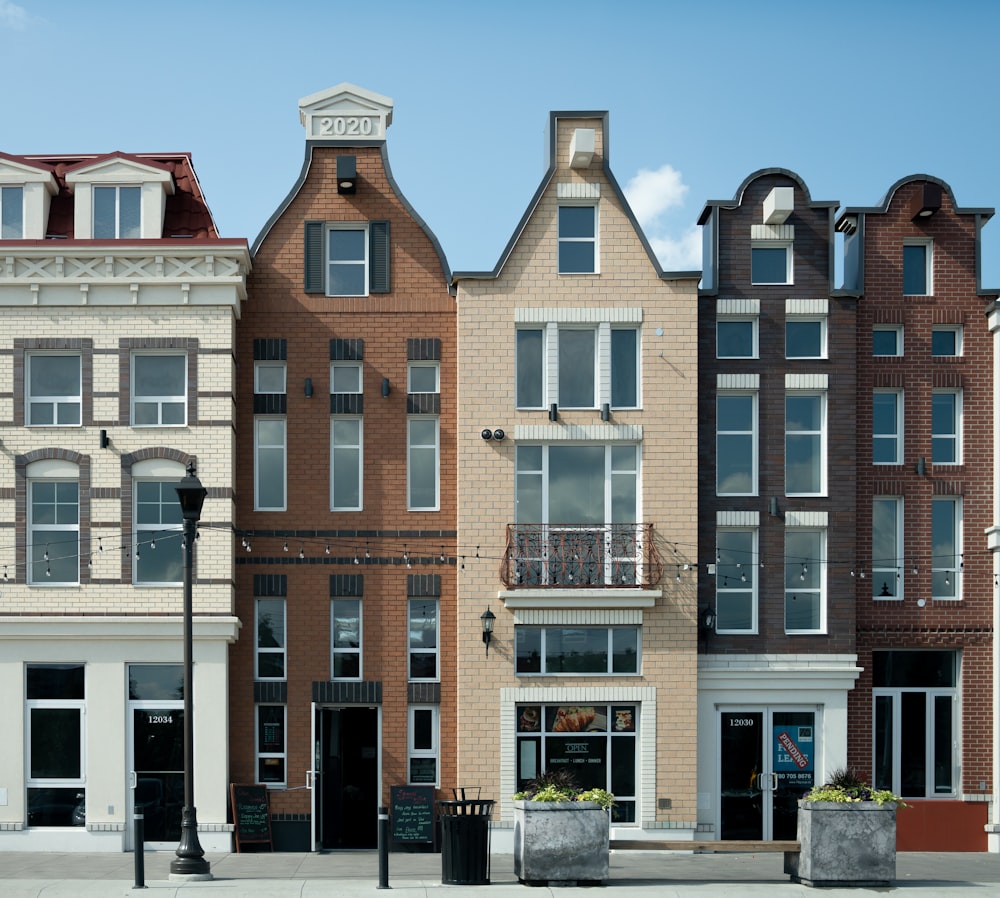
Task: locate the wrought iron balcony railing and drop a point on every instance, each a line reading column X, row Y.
column 580, row 556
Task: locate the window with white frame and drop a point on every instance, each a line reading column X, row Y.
column 887, row 427
column 805, row 443
column 117, row 213
column 423, row 377
column 11, row 213
column 423, row 638
column 270, row 456
column 946, row 547
column 158, row 549
column 345, row 616
column 270, row 654
column 771, row 262
column 578, row 239
column 887, row 547
column 53, row 532
column 53, row 395
column 946, row 427
column 915, row 722
column 887, row 340
column 423, row 744
column 159, row 390
column 736, row 444
column 55, row 741
column 577, row 508
column 805, row 580
column 917, row 268
column 346, row 460
column 269, row 377
column 576, row 379
column 736, row 338
column 345, row 377
column 271, row 745
column 736, row 580
column 576, row 650
column 805, row 338
column 423, row 438
column 347, row 260
column 946, row 341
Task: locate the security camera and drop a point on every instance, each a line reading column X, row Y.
column 487, row 434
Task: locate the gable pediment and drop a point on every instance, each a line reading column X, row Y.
column 346, row 114
column 120, row 169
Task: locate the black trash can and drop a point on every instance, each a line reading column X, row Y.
column 465, row 841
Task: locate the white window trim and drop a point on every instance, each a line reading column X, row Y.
column 808, row 319
column 609, row 633
column 436, row 651
column 360, row 447
column 53, row 401
column 885, row 572
column 410, row 447
column 429, row 364
column 62, row 528
column 789, row 264
column 164, row 531
column 268, row 650
column 807, row 525
column 755, row 442
column 750, row 563
column 955, row 569
column 435, row 751
column 897, row 329
column 8, row 190
column 58, row 704
column 956, row 437
column 117, row 188
column 274, row 365
column 328, row 263
column 161, row 399
column 928, row 265
column 596, row 239
column 258, row 754
column 257, row 446
column 898, row 436
column 959, row 333
column 345, row 365
column 359, row 651
column 753, row 321
column 823, row 486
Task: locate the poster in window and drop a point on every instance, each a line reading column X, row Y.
column 623, row 719
column 575, row 719
column 529, row 718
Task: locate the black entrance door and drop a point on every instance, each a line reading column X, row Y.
column 347, row 806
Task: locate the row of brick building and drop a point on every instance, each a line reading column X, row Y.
column 732, row 528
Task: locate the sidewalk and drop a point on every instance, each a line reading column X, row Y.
column 349, row 874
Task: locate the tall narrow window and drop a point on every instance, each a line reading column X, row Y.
column 270, row 656
column 423, row 461
column 117, row 213
column 423, row 639
column 346, row 454
column 530, row 367
column 11, row 213
column 887, row 548
column 577, row 239
column 946, row 548
column 423, row 745
column 887, row 427
column 577, row 367
column 159, row 390
column 158, row 542
column 917, row 269
column 736, row 581
column 347, row 261
column 346, row 651
column 805, row 577
column 624, row 368
column 54, row 532
column 53, row 394
column 946, row 427
column 269, row 466
column 805, row 444
column 736, row 444
column 271, row 726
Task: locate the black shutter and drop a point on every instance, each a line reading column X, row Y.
column 378, row 254
column 315, row 257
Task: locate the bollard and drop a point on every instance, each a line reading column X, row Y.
column 139, row 842
column 383, row 848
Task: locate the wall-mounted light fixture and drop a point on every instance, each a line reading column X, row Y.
column 488, row 434
column 498, row 434
column 606, row 412
column 347, row 174
column 921, row 467
column 309, row 388
column 772, row 507
column 925, row 202
column 385, row 387
column 487, row 618
column 105, row 442
column 554, row 411
column 706, row 620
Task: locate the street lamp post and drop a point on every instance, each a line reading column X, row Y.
column 190, row 862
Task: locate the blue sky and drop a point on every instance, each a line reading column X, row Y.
column 850, row 95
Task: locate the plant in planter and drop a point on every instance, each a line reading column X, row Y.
column 561, row 831
column 847, row 834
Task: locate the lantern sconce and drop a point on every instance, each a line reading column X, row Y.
column 487, row 618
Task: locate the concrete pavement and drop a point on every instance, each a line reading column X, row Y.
column 350, row 874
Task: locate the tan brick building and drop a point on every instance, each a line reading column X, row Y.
column 577, row 505
column 343, row 680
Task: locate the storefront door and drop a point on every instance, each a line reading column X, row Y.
column 156, row 740
column 767, row 761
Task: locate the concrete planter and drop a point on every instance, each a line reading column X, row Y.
column 845, row 844
column 560, row 842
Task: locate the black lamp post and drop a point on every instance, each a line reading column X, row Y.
column 190, row 861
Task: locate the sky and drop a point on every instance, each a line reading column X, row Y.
column 852, row 96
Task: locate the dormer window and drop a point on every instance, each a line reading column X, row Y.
column 117, row 213
column 11, row 213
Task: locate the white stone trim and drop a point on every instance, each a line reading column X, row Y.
column 578, row 190
column 807, row 307
column 725, row 308
column 579, row 599
column 734, row 518
column 609, row 617
column 806, row 518
column 772, row 232
column 737, row 381
column 806, row 381
column 554, row 433
column 577, row 315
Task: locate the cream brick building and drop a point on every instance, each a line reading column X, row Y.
column 118, row 301
column 577, row 474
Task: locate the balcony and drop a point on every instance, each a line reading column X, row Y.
column 580, row 556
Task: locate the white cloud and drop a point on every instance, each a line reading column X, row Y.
column 680, row 254
column 13, row 16
column 651, row 193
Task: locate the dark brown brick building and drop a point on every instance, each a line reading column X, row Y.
column 343, row 681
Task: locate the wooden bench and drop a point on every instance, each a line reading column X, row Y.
column 741, row 845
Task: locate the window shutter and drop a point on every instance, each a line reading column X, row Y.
column 315, row 258
column 378, row 253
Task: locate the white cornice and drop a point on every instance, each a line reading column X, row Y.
column 98, row 628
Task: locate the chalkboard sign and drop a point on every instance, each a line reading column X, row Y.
column 251, row 815
column 412, row 813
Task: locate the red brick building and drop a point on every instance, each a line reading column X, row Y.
column 342, row 681
column 921, row 717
